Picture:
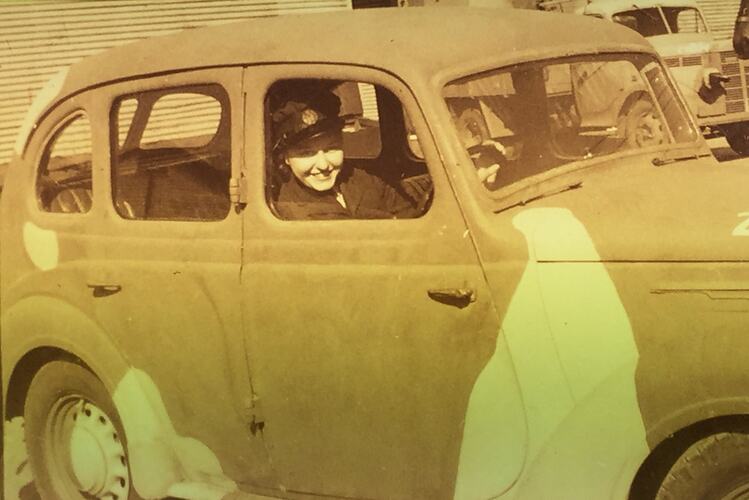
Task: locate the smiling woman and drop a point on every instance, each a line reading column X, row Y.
column 313, row 122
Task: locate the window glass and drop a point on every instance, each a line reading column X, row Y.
column 361, row 120
column 64, row 177
column 182, row 119
column 340, row 150
column 531, row 118
column 647, row 22
column 684, row 20
column 172, row 158
column 650, row 22
column 674, row 113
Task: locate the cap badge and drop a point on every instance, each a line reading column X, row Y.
column 310, row 117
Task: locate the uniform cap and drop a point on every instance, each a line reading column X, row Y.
column 302, row 110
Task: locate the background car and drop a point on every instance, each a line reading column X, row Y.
column 708, row 71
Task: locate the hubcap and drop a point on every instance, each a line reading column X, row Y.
column 649, row 130
column 88, row 450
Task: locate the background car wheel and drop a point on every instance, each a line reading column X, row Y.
column 74, row 437
column 737, row 137
column 714, row 468
column 643, row 127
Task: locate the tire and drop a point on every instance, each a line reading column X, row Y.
column 75, row 441
column 737, row 137
column 643, row 128
column 714, row 468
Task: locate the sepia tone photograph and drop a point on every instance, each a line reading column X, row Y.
column 374, row 249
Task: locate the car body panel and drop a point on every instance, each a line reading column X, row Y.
column 632, row 190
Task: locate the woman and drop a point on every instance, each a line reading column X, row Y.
column 317, row 183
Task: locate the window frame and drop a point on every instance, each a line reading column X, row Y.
column 260, row 78
column 228, row 79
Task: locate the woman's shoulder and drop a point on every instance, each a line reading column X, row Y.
column 358, row 175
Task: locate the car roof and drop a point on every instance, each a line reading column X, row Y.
column 413, row 42
column 610, row 7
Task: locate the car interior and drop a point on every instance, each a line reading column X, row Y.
column 172, row 155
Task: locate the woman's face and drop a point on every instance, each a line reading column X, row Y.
column 318, row 166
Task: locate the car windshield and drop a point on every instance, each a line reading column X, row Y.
column 653, row 21
column 530, row 118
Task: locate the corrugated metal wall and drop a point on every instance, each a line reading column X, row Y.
column 39, row 38
column 720, row 16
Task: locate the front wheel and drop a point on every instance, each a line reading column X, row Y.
column 74, row 436
column 737, row 136
column 714, row 468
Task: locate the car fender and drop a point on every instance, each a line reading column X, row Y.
column 594, row 428
column 47, row 322
column 576, row 369
column 698, row 412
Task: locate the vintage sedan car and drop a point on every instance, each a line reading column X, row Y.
column 561, row 316
column 707, row 70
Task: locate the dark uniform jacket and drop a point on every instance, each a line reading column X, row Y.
column 367, row 197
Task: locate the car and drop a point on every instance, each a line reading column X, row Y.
column 707, row 70
column 561, row 315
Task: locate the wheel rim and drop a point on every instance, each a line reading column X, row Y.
column 649, row 130
column 739, row 142
column 85, row 453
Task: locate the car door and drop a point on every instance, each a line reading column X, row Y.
column 364, row 337
column 164, row 270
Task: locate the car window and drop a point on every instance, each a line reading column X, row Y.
column 684, row 20
column 64, row 174
column 171, row 159
column 528, row 119
column 341, row 150
column 646, row 21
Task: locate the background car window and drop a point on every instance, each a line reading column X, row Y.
column 172, row 156
column 647, row 21
column 367, row 166
column 64, row 176
column 684, row 20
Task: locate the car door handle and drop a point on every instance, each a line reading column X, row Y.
column 458, row 297
column 104, row 290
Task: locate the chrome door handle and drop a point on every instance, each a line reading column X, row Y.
column 104, row 290
column 458, row 297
